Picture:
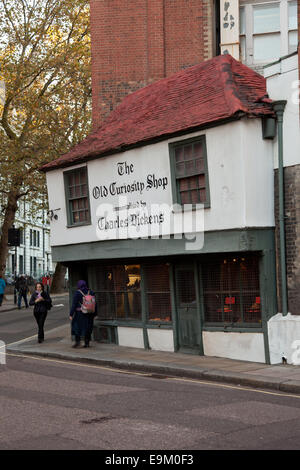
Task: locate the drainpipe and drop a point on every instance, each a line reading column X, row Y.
column 278, row 107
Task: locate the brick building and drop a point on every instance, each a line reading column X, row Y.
column 137, row 42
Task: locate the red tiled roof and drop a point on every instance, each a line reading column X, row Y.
column 208, row 93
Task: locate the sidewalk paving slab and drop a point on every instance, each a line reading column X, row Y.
column 58, row 345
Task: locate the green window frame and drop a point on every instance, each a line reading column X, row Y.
column 77, row 197
column 189, row 172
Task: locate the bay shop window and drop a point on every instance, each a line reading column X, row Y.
column 228, row 287
column 119, row 292
column 231, row 293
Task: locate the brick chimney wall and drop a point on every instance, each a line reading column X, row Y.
column 137, row 42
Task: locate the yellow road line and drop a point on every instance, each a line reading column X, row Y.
column 61, row 361
column 147, row 374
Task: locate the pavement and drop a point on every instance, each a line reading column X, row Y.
column 58, row 345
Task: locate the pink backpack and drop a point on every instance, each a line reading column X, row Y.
column 88, row 303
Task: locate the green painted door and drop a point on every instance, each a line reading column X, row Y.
column 188, row 323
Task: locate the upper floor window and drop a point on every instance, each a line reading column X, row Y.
column 268, row 31
column 34, row 238
column 189, row 170
column 77, row 200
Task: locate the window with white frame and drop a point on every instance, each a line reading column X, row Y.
column 268, row 30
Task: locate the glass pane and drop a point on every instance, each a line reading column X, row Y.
column 194, row 182
column 134, row 277
column 77, row 191
column 198, row 148
column 293, row 41
column 188, row 152
column 199, row 164
column 186, row 287
column 134, row 304
column 159, row 305
column 158, row 292
column 179, row 154
column 83, row 176
column 202, row 195
column 266, row 48
column 180, row 168
column 184, row 184
column 231, row 290
column 106, row 305
column 74, row 205
column 293, row 15
column 242, row 21
column 77, row 178
column 266, row 18
column 157, row 278
column 190, row 167
column 185, row 197
column 201, row 181
column 82, row 216
column 83, row 190
column 75, row 217
column 195, row 196
column 71, row 179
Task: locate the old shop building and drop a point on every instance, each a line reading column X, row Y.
column 193, row 138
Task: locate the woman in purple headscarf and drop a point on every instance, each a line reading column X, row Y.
column 82, row 323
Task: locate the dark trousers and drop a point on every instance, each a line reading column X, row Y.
column 40, row 319
column 1, row 299
column 87, row 338
column 20, row 297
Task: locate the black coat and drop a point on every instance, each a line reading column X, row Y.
column 44, row 305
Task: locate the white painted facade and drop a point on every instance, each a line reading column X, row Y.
column 241, row 184
column 33, row 256
column 240, row 346
column 283, row 84
column 131, row 337
column 240, row 181
column 159, row 339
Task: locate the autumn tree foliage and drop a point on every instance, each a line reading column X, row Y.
column 46, row 107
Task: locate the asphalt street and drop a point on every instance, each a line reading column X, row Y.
column 58, row 405
column 19, row 324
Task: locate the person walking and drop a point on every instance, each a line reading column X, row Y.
column 42, row 303
column 22, row 288
column 82, row 323
column 2, row 289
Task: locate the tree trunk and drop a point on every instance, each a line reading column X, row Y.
column 9, row 217
column 58, row 281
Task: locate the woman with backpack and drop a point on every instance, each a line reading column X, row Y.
column 82, row 314
column 42, row 303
